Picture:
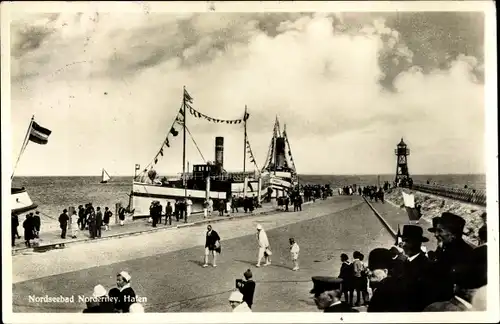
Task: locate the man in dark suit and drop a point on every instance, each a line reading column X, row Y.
column 327, row 294
column 455, row 251
column 388, row 290
column 37, row 223
column 98, row 222
column 247, row 287
column 416, row 271
column 468, row 279
column 63, row 223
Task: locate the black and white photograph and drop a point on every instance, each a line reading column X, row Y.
column 190, row 160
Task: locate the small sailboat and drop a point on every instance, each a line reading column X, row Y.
column 105, row 176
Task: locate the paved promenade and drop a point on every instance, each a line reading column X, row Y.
column 166, row 265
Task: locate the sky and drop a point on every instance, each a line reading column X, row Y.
column 348, row 86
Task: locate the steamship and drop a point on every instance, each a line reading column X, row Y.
column 207, row 180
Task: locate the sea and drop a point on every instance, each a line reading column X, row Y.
column 53, row 194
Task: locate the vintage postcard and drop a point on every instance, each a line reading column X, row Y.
column 295, row 161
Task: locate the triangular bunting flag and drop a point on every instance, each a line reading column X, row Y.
column 167, row 143
column 156, row 160
column 161, row 151
column 188, row 97
column 174, row 132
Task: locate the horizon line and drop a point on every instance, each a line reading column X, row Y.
column 300, row 174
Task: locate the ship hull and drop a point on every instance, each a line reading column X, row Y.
column 280, row 182
column 143, row 194
column 21, row 201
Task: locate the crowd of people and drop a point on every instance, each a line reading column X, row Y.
column 408, row 278
column 31, row 226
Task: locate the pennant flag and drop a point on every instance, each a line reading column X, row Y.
column 161, row 151
column 137, row 167
column 39, row 134
column 247, row 115
column 156, row 160
column 167, row 142
column 174, row 132
column 187, row 96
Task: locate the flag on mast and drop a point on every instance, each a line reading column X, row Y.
column 39, row 134
column 188, row 97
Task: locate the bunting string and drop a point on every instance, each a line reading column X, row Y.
column 250, row 153
column 198, row 114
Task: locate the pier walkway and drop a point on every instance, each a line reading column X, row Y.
column 52, row 239
column 167, row 269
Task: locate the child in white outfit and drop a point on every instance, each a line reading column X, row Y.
column 294, row 250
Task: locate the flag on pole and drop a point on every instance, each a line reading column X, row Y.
column 409, row 203
column 187, row 96
column 39, row 134
column 137, row 167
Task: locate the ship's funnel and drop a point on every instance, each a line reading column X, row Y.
column 219, row 151
column 280, row 152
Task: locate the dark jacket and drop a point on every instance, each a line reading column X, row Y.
column 98, row 218
column 125, row 298
column 121, row 213
column 341, row 308
column 417, row 283
column 107, row 216
column 36, row 222
column 28, row 229
column 248, row 290
column 451, row 255
column 397, row 265
column 63, row 220
column 211, row 239
column 347, row 275
column 388, row 297
column 100, row 307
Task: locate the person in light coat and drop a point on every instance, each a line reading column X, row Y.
column 294, row 251
column 263, row 246
column 237, row 303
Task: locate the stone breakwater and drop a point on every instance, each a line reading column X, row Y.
column 433, row 206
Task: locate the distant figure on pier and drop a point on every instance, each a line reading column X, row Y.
column 205, row 209
column 37, row 222
column 210, row 206
column 81, row 218
column 63, row 223
column 121, row 215
column 168, row 213
column 189, row 208
column 98, row 222
column 107, row 217
column 28, row 230
column 92, row 221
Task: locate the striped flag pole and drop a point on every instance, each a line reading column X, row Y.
column 25, row 143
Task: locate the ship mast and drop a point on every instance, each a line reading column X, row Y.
column 184, row 182
column 245, row 142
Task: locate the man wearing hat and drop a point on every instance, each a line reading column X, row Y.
column 124, row 293
column 448, row 231
column 388, row 290
column 416, row 271
column 237, row 303
column 327, row 294
column 36, row 223
column 263, row 246
column 63, row 222
column 467, row 283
